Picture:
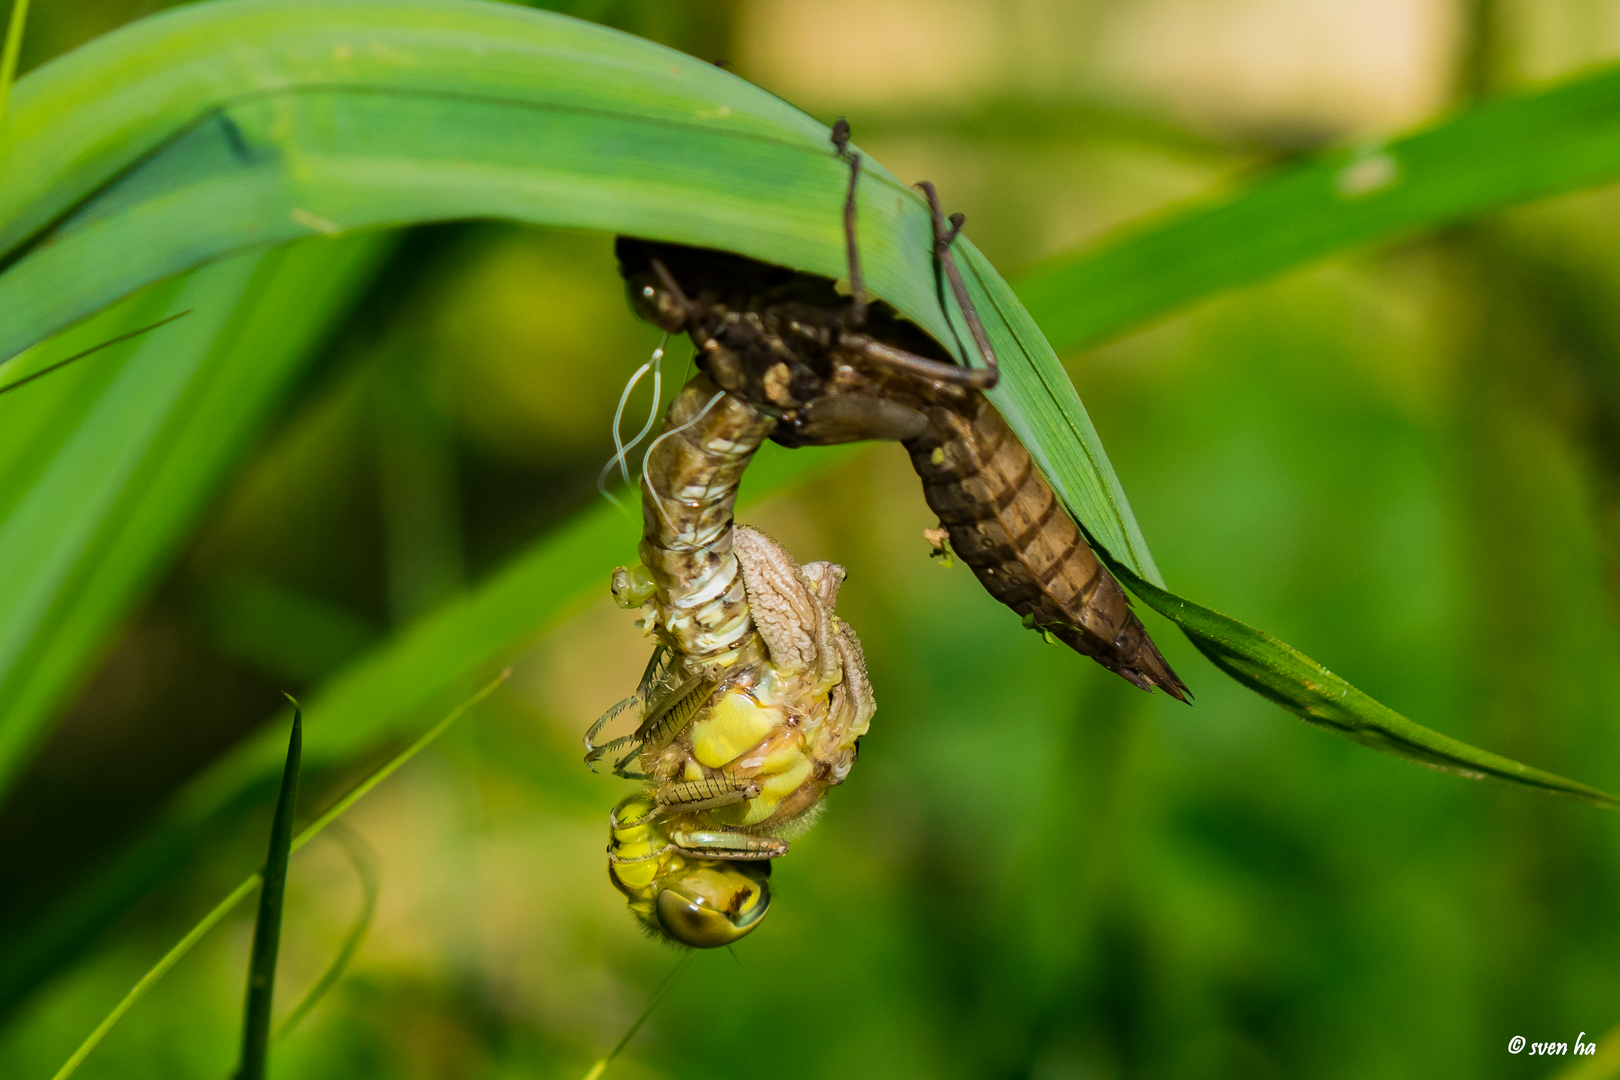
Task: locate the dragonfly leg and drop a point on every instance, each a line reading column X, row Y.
column 872, row 349
column 943, row 238
column 706, row 794
column 630, row 860
column 621, row 768
column 857, row 285
column 719, row 844
column 674, row 712
column 594, row 750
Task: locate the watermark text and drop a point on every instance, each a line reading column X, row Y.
column 1518, row 1045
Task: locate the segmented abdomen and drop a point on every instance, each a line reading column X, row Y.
column 708, row 440
column 1009, row 526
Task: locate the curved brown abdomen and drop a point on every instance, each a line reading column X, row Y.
column 1007, row 524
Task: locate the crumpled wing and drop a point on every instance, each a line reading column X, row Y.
column 787, row 611
column 825, row 579
column 853, row 703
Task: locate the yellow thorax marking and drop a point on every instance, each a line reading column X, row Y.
column 736, row 724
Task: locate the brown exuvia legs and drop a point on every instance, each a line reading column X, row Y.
column 979, row 379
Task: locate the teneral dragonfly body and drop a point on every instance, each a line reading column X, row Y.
column 755, row 697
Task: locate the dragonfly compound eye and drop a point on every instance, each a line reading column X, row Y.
column 714, row 904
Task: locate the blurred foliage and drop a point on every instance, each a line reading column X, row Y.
column 1407, row 460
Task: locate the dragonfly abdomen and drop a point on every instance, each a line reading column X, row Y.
column 688, row 495
column 1009, row 526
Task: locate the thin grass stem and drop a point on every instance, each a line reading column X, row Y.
column 160, row 969
column 393, row 765
column 652, row 1003
column 364, row 861
column 26, row 379
column 241, row 892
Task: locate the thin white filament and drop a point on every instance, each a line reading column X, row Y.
column 622, row 450
column 646, row 478
column 652, row 409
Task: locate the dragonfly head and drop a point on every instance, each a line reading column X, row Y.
column 704, row 903
column 710, row 904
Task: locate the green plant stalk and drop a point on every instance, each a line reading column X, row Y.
column 80, row 355
column 365, row 866
column 261, row 985
column 241, row 892
column 158, row 970
column 681, row 965
column 13, row 50
column 392, row 766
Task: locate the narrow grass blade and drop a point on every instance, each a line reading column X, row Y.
column 205, row 105
column 158, row 970
column 242, row 891
column 109, row 343
column 502, row 112
column 8, row 57
column 652, row 1003
column 1282, row 674
column 359, row 790
column 364, row 861
column 261, row 987
column 106, row 465
column 1506, row 152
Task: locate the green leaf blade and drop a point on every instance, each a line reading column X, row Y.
column 1287, row 677
column 355, row 115
column 261, row 983
column 134, row 457
column 1506, row 152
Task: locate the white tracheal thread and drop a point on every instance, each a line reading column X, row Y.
column 646, row 478
column 621, row 450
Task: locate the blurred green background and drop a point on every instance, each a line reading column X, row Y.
column 1405, row 462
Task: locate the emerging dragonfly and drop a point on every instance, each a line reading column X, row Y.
column 751, row 707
